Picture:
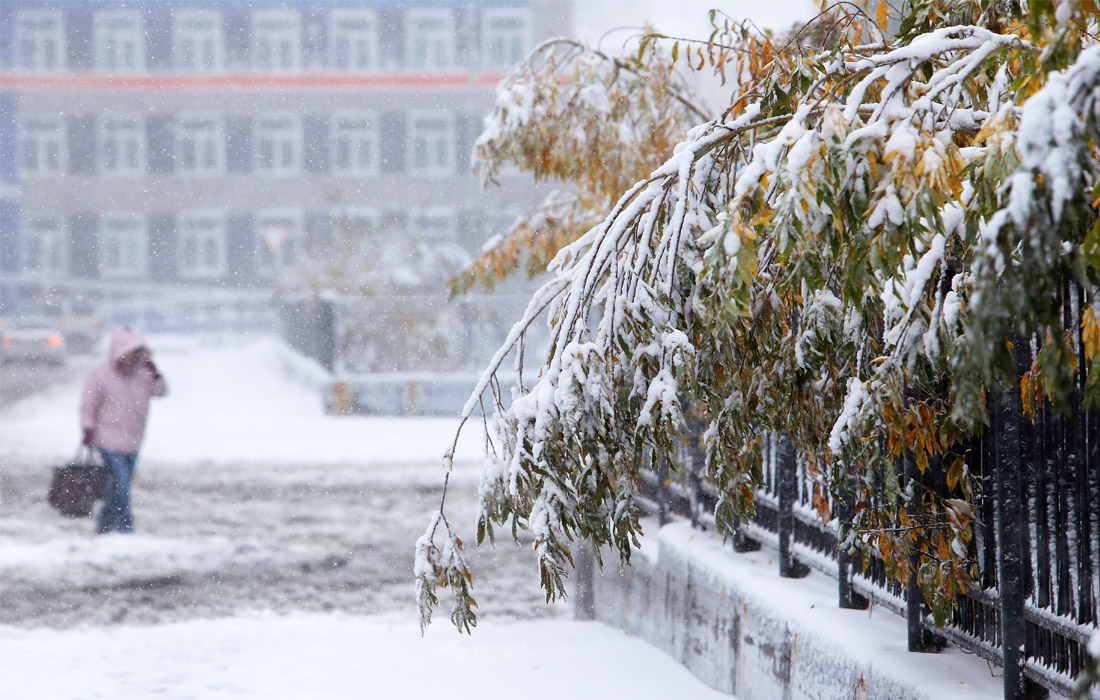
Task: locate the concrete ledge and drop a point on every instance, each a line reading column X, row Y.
column 742, row 629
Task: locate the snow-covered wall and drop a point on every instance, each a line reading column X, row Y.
column 733, row 622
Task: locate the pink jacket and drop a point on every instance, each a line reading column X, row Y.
column 116, row 405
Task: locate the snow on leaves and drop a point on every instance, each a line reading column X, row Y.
column 849, row 252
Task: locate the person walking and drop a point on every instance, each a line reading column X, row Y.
column 113, row 412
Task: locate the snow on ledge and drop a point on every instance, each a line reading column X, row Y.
column 731, row 619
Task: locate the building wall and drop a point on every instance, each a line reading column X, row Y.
column 64, row 82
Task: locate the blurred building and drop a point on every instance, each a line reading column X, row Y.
column 153, row 145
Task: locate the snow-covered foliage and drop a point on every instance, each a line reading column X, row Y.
column 850, row 251
column 579, row 117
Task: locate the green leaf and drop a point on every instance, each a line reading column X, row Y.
column 1091, row 247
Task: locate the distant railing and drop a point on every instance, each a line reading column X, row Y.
column 1036, row 544
column 412, row 333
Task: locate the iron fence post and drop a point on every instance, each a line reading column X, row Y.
column 920, row 639
column 1086, row 603
column 664, row 498
column 324, row 340
column 693, row 497
column 1011, row 514
column 787, row 485
column 847, row 597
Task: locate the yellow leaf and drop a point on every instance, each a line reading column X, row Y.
column 1090, row 333
column 943, row 550
column 954, row 473
column 922, row 462
column 872, row 164
column 761, row 217
column 880, row 16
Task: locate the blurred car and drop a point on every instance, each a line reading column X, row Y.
column 31, row 340
column 80, row 327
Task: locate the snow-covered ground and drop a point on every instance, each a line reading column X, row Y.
column 336, row 657
column 273, row 558
column 226, row 409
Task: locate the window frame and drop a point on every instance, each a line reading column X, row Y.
column 186, row 234
column 335, row 33
column 448, row 59
column 38, row 37
column 59, row 245
column 184, row 32
column 431, row 169
column 24, row 138
column 292, row 32
column 141, row 234
column 278, row 135
column 218, row 140
column 356, row 136
column 493, row 13
column 102, row 132
column 101, row 35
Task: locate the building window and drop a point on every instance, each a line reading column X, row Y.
column 435, row 224
column 431, row 144
column 276, row 41
column 354, row 144
column 44, row 246
column 200, row 145
column 119, row 42
column 504, row 37
column 353, row 41
column 198, row 41
column 277, row 144
column 40, row 41
column 278, row 235
column 430, row 39
column 41, row 145
column 200, row 241
column 122, row 145
column 121, row 245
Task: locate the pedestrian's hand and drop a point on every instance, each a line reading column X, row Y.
column 88, row 435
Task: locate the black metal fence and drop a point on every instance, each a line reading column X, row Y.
column 1036, row 544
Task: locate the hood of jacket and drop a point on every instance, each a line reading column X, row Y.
column 124, row 340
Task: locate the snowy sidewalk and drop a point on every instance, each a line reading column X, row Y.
column 334, row 657
column 256, row 511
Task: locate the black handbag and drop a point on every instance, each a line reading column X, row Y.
column 76, row 486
